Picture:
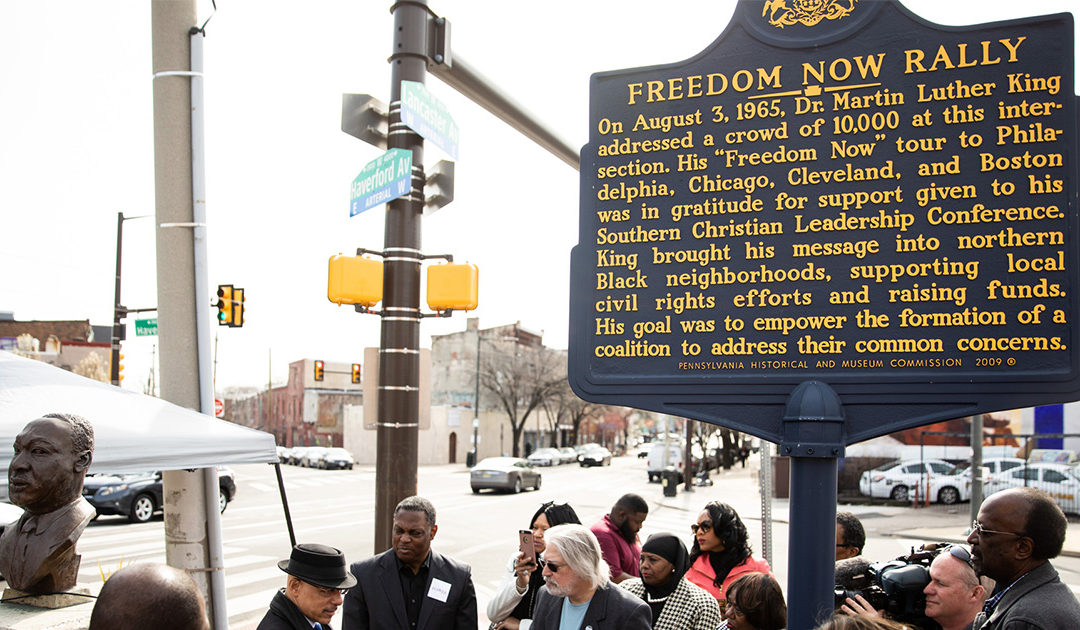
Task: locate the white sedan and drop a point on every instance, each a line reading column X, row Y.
column 898, row 480
column 1060, row 481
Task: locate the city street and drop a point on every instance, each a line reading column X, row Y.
column 336, row 508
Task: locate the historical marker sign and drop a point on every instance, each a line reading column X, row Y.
column 383, row 179
column 425, row 114
column 844, row 193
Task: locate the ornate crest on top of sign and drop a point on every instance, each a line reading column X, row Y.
column 783, row 13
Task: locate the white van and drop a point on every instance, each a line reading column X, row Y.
column 657, row 462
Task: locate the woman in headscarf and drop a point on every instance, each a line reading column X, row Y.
column 755, row 602
column 676, row 604
column 721, row 552
column 511, row 607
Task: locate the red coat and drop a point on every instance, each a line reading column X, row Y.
column 702, row 574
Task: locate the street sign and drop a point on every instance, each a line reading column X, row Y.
column 145, row 327
column 219, row 408
column 841, row 193
column 387, row 177
column 425, row 114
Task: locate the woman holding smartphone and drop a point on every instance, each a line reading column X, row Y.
column 512, row 605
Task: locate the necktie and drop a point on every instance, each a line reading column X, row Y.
column 318, row 626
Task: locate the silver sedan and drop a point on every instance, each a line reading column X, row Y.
column 512, row 474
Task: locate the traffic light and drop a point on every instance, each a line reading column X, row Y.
column 354, row 280
column 319, row 374
column 120, row 366
column 356, row 372
column 225, row 305
column 237, row 308
column 452, row 286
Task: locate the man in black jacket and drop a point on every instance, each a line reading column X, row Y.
column 411, row 586
column 1017, row 533
column 317, row 582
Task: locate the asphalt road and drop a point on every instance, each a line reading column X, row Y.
column 337, row 508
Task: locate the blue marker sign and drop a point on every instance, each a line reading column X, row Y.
column 426, row 115
column 385, row 178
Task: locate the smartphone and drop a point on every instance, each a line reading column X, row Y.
column 526, row 543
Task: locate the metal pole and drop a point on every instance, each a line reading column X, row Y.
column 976, row 465
column 285, row 505
column 186, row 545
column 476, row 404
column 118, row 311
column 812, row 522
column 399, row 346
column 211, row 485
column 765, row 476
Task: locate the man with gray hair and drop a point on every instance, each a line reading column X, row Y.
column 578, row 592
column 45, row 478
column 410, row 586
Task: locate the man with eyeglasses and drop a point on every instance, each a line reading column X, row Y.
column 578, row 592
column 410, row 586
column 1017, row 533
column 954, row 595
column 850, row 536
column 317, row 581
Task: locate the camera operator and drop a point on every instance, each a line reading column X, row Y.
column 953, row 595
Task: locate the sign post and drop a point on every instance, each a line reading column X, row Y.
column 836, row 222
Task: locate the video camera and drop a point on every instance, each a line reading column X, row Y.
column 894, row 587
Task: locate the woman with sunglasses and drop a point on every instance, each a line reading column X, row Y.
column 755, row 602
column 512, row 605
column 721, row 552
column 676, row 604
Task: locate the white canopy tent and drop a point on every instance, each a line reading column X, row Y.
column 132, row 432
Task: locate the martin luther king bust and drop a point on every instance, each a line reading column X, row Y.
column 37, row 552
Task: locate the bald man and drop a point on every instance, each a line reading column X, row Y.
column 142, row 596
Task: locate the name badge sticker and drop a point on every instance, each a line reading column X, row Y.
column 439, row 590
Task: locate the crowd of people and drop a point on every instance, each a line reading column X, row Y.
column 576, row 577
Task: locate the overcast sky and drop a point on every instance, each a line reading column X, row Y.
column 76, row 148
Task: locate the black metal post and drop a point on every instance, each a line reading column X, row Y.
column 399, row 347
column 813, row 438
column 118, row 310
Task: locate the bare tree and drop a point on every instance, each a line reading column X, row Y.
column 520, row 378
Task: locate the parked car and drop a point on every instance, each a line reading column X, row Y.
column 545, row 457
column 336, row 459
column 567, row 455
column 596, row 456
column 296, row 455
column 313, row 456
column 139, row 496
column 897, row 480
column 504, row 473
column 954, row 488
column 1001, row 464
column 1060, row 481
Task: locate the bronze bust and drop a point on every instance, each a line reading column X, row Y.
column 37, row 552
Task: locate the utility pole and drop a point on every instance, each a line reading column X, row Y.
column 192, row 520
column 399, row 345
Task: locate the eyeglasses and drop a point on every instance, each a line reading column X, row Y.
column 328, row 592
column 552, row 566
column 962, row 554
column 977, row 527
column 705, row 527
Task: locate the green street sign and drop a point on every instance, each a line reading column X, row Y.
column 145, row 327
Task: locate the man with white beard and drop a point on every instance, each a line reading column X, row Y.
column 578, row 592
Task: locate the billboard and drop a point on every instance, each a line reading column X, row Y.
column 839, row 192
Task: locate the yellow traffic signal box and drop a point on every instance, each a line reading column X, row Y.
column 355, row 280
column 452, row 286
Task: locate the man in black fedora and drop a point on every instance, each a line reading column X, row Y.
column 317, row 582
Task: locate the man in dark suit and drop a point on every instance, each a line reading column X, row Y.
column 317, row 581
column 37, row 552
column 1017, row 533
column 409, row 586
column 578, row 593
